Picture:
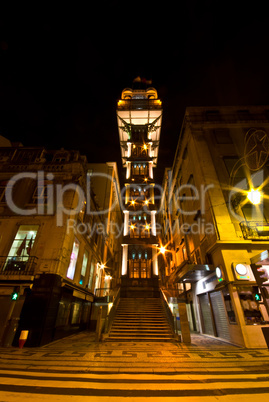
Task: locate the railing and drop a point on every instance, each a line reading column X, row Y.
column 168, row 311
column 14, row 265
column 139, row 104
column 112, row 312
column 255, row 230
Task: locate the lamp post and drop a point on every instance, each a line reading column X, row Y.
column 254, row 196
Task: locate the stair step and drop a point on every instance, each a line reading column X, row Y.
column 150, row 323
column 140, row 333
column 140, row 319
column 141, row 324
column 142, row 338
column 146, row 312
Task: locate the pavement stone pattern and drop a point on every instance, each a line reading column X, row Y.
column 77, row 367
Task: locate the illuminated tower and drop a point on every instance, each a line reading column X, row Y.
column 139, row 114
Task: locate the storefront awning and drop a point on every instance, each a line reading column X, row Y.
column 193, row 272
column 262, row 258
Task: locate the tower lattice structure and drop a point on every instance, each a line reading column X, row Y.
column 139, row 114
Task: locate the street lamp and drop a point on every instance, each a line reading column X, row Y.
column 254, row 196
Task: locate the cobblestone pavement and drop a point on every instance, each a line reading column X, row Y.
column 81, row 368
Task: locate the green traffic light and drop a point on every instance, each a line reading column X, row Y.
column 14, row 296
column 257, row 297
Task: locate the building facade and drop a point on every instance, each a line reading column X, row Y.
column 106, row 187
column 139, row 114
column 214, row 215
column 53, row 243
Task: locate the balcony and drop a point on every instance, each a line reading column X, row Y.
column 252, row 230
column 141, row 240
column 13, row 265
column 139, row 104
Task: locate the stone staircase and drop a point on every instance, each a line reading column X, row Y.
column 140, row 319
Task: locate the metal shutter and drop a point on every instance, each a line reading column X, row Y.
column 206, row 315
column 220, row 316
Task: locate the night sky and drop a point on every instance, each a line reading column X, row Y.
column 62, row 71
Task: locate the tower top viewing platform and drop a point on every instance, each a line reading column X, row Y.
column 139, row 115
column 139, row 99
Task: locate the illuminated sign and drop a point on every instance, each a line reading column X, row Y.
column 241, row 272
column 219, row 274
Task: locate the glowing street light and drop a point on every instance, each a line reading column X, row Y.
column 162, row 250
column 254, row 196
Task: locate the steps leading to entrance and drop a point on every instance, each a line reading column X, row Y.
column 140, row 319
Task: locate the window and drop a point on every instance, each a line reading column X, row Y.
column 73, row 260
column 139, row 267
column 139, row 169
column 250, row 306
column 84, row 267
column 42, row 196
column 21, row 248
column 90, row 282
column 140, row 151
column 63, row 312
column 24, row 241
column 61, row 157
column 26, row 156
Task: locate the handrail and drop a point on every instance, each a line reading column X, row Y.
column 168, row 311
column 110, row 316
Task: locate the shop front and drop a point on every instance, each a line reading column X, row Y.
column 230, row 305
column 213, row 303
column 215, row 310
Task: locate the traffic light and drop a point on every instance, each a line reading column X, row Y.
column 15, row 294
column 257, row 294
column 260, row 274
column 257, row 297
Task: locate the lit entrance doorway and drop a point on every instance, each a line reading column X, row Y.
column 139, row 268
